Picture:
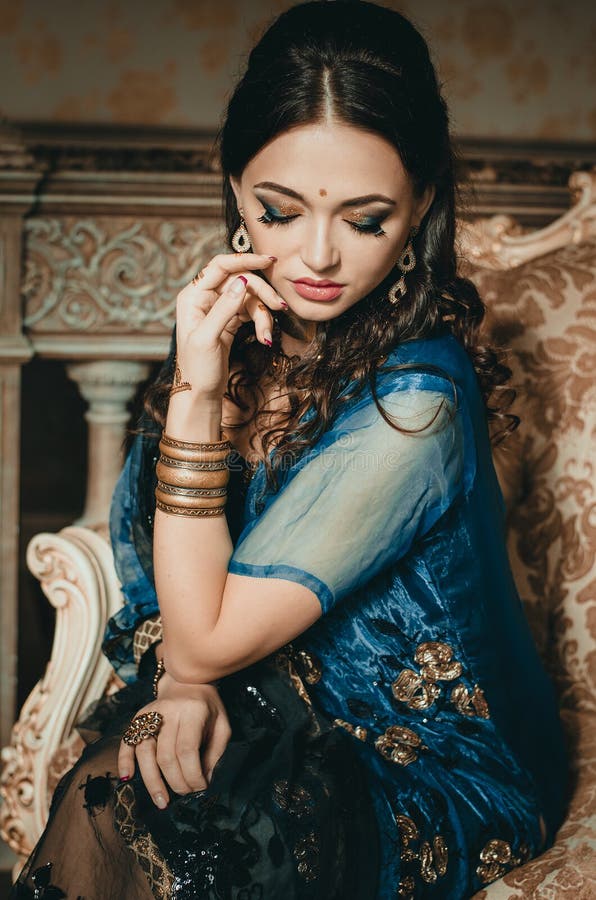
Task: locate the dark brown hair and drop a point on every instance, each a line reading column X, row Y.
column 372, row 67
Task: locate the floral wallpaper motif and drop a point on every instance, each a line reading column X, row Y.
column 511, row 68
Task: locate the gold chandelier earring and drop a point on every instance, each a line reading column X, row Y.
column 405, row 263
column 241, row 237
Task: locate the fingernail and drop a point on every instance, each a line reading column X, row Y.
column 160, row 801
column 284, row 305
column 274, row 258
column 267, row 337
column 125, row 778
column 239, row 285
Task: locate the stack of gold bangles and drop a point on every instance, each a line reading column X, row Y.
column 192, row 478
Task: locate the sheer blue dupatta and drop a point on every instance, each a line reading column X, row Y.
column 357, row 501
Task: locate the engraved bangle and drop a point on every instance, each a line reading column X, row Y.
column 186, row 477
column 184, row 500
column 191, row 513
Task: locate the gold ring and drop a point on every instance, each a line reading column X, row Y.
column 144, row 726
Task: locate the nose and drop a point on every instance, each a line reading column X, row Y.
column 319, row 251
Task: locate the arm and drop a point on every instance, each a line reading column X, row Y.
column 205, row 640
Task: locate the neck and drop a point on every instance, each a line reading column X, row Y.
column 296, row 334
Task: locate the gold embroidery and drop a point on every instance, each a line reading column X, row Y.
column 497, row 856
column 411, row 689
column 357, row 730
column 440, row 853
column 312, row 666
column 408, row 831
column 419, row 690
column 399, row 744
column 406, row 888
column 470, row 704
column 142, row 845
column 436, row 663
column 431, row 857
column 293, row 799
column 306, row 851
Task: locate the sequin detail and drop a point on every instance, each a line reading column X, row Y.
column 497, row 857
column 306, row 852
column 293, row 799
column 357, row 730
column 419, row 690
column 400, row 745
column 431, row 856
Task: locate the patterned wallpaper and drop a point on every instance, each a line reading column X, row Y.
column 512, row 68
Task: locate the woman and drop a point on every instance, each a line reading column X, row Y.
column 344, row 699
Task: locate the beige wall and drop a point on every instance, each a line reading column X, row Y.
column 512, row 68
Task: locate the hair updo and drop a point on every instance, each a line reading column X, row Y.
column 371, row 68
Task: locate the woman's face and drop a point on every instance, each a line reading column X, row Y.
column 334, row 204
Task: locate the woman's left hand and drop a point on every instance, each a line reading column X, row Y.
column 193, row 736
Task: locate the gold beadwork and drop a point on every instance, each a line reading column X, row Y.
column 419, row 690
column 432, row 857
column 357, row 730
column 399, row 744
column 434, row 659
column 406, row 888
column 293, row 799
column 467, row 704
column 495, row 856
column 411, row 689
column 306, row 851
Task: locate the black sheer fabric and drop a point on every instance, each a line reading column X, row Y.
column 287, row 813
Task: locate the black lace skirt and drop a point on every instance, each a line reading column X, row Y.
column 287, row 813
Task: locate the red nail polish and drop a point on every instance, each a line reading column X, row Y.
column 269, row 343
column 125, row 778
column 274, row 258
column 245, row 280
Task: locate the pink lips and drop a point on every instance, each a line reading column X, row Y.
column 317, row 290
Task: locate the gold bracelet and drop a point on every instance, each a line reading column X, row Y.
column 192, row 477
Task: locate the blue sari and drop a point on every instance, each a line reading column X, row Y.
column 423, row 656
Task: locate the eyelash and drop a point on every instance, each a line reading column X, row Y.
column 269, row 219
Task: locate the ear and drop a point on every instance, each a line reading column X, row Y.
column 422, row 204
column 235, row 185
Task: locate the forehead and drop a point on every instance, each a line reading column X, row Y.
column 332, row 160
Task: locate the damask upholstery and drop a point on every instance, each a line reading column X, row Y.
column 544, row 311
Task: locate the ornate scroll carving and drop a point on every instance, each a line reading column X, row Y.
column 76, row 572
column 500, row 243
column 111, row 275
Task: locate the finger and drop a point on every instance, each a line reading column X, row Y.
column 126, row 761
column 224, row 264
column 167, row 760
column 228, row 306
column 262, row 317
column 188, row 743
column 260, row 288
column 216, row 744
column 150, row 772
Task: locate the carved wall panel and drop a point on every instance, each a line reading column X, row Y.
column 110, row 275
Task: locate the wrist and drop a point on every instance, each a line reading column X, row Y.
column 194, row 418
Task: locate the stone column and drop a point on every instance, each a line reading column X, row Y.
column 17, row 186
column 108, row 386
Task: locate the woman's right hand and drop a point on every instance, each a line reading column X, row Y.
column 209, row 311
column 193, row 736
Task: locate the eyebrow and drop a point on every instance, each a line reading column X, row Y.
column 355, row 201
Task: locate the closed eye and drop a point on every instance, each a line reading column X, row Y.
column 372, row 226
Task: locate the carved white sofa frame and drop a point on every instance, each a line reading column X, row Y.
column 75, row 568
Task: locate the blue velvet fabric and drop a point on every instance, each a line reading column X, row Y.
column 425, row 655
